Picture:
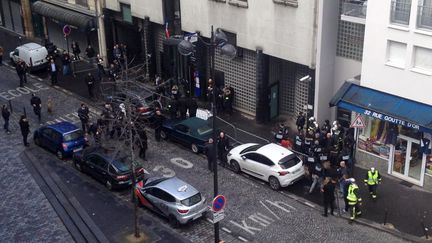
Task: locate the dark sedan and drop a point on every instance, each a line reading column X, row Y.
column 103, row 164
column 193, row 132
column 143, row 103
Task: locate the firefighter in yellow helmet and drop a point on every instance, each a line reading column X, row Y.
column 372, row 179
column 354, row 199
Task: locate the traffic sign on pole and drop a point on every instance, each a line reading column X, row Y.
column 67, row 30
column 358, row 122
column 218, row 203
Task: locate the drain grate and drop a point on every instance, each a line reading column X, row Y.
column 405, row 183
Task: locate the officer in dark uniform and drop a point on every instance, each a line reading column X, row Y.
column 159, row 118
column 193, row 107
column 90, row 80
column 172, row 108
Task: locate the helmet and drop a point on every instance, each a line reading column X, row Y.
column 372, row 169
column 352, row 180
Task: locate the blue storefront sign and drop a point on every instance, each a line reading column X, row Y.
column 384, row 117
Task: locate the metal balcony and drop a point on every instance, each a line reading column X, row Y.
column 424, row 17
column 354, row 11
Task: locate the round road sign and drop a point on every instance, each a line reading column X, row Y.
column 67, row 29
column 218, row 203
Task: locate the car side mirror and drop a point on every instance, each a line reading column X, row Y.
column 243, row 157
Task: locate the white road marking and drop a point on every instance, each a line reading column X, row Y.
column 182, row 163
column 226, row 230
column 242, row 239
column 166, row 172
column 309, row 204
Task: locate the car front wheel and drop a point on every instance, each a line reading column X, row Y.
column 59, row 154
column 108, row 185
column 78, row 166
column 274, row 183
column 235, row 166
column 163, row 135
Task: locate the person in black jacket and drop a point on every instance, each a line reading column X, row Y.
column 21, row 69
column 209, row 151
column 328, row 189
column 182, row 107
column 6, row 114
column 193, row 107
column 36, row 103
column 83, row 114
column 90, row 80
column 25, row 129
column 53, row 69
column 223, row 147
column 158, row 120
column 90, row 52
column 141, row 142
column 76, row 50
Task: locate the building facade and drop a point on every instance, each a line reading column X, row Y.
column 394, row 87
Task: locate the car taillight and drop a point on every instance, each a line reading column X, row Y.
column 122, row 177
column 282, row 173
column 31, row 62
column 140, row 171
column 183, row 211
column 142, row 109
column 64, row 146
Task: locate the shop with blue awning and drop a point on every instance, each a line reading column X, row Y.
column 397, row 132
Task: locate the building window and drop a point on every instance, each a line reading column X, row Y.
column 221, row 1
column 239, row 3
column 350, row 40
column 126, row 12
column 396, row 53
column 422, row 59
column 81, row 2
column 291, row 3
column 424, row 14
column 400, row 12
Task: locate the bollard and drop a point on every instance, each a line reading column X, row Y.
column 385, row 216
column 10, row 106
column 425, row 229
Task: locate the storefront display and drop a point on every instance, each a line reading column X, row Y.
column 373, row 137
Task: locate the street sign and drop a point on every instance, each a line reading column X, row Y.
column 67, row 30
column 358, row 122
column 218, row 216
column 218, row 203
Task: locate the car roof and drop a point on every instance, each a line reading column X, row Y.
column 63, row 127
column 31, row 46
column 194, row 122
column 274, row 152
column 178, row 188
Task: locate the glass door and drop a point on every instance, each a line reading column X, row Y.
column 408, row 161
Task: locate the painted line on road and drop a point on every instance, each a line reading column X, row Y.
column 209, row 220
column 242, row 239
column 39, row 79
column 309, row 204
column 226, row 230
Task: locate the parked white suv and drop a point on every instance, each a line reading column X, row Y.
column 33, row 54
column 272, row 163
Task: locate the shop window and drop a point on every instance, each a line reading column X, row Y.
column 291, row 3
column 378, row 135
column 239, row 3
column 396, row 53
column 81, row 2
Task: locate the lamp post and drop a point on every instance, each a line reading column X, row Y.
column 308, row 79
column 218, row 40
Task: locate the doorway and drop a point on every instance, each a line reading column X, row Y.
column 274, row 100
column 408, row 162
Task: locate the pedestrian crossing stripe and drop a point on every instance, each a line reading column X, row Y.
column 358, row 122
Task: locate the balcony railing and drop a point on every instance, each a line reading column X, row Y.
column 354, row 8
column 400, row 11
column 424, row 17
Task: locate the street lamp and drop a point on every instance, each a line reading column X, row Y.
column 308, row 106
column 186, row 48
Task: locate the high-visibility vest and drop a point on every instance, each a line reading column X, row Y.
column 351, row 197
column 372, row 178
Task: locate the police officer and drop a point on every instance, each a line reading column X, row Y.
column 90, row 80
column 192, row 107
column 223, row 147
column 227, row 101
column 83, row 114
column 172, row 108
column 209, row 149
column 36, row 103
column 372, row 179
column 354, row 199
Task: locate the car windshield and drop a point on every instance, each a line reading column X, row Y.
column 204, row 130
column 289, row 161
column 73, row 135
column 251, row 148
column 192, row 200
column 121, row 165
